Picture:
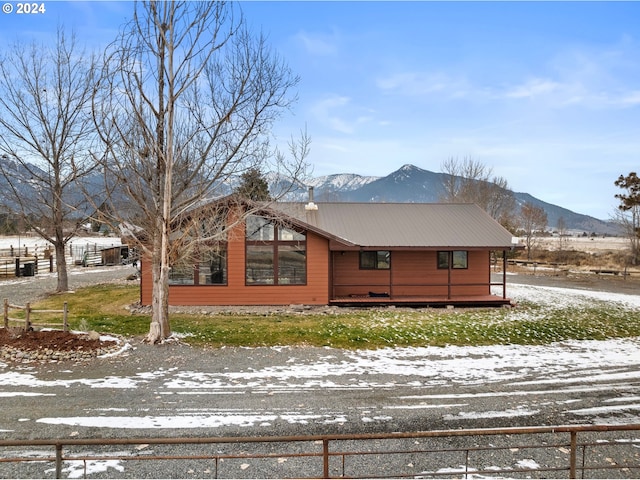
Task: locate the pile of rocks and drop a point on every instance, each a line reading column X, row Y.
column 21, row 346
column 230, row 310
column 12, row 354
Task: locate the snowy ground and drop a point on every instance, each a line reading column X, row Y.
column 35, row 243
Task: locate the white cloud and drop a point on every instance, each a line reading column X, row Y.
column 340, row 114
column 317, row 44
column 630, row 99
column 533, row 88
column 423, row 84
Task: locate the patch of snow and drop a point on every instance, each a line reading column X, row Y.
column 78, row 468
column 528, row 463
column 25, row 394
column 634, row 407
column 216, row 420
column 509, row 413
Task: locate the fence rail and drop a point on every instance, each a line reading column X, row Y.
column 27, row 261
column 26, row 266
column 383, row 455
column 28, row 322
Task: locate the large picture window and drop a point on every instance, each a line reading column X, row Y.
column 456, row 259
column 375, row 260
column 275, row 254
column 209, row 269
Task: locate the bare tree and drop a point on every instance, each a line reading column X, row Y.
column 187, row 101
column 628, row 212
column 563, row 240
column 534, row 222
column 470, row 181
column 45, row 130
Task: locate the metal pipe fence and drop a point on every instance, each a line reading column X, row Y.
column 591, row 451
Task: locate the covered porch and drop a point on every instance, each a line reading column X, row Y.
column 412, row 280
column 421, row 301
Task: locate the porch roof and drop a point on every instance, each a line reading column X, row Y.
column 402, row 225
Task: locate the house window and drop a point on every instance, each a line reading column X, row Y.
column 457, row 259
column 375, row 260
column 275, row 254
column 209, row 269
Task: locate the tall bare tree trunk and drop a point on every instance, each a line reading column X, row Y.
column 61, row 266
column 155, row 330
column 189, row 99
column 159, row 328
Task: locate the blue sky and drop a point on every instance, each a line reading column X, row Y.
column 545, row 93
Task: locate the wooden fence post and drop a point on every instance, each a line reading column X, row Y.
column 6, row 313
column 27, row 320
column 65, row 311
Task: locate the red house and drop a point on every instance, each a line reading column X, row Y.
column 347, row 254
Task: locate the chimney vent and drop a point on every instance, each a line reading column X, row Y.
column 310, row 206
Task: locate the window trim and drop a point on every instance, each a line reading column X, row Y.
column 377, row 264
column 451, row 264
column 194, row 267
column 275, row 243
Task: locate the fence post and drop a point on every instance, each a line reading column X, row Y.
column 17, row 266
column 58, row 460
column 6, row 313
column 50, row 263
column 65, row 311
column 325, row 458
column 27, row 320
column 573, row 455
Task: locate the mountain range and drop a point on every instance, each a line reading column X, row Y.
column 408, row 184
column 411, row 184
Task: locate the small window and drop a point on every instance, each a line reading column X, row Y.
column 459, row 259
column 375, row 260
column 443, row 260
column 456, row 259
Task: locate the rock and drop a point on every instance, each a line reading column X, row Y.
column 92, row 335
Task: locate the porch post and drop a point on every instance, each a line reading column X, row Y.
column 331, row 275
column 449, row 276
column 390, row 275
column 504, row 274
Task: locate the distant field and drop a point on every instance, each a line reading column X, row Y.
column 586, row 244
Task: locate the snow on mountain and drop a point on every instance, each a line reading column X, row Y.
column 341, row 181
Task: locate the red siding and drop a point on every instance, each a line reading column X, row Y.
column 315, row 292
column 349, row 279
column 412, row 273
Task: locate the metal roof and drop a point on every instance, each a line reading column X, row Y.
column 402, row 225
